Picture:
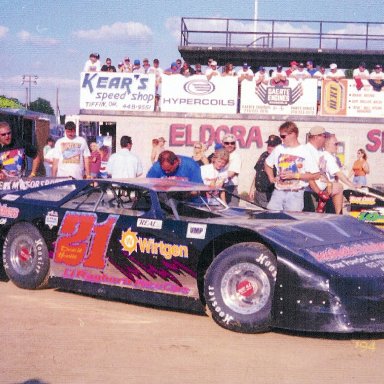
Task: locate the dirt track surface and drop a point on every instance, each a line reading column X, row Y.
column 56, row 337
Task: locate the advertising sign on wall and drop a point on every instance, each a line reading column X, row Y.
column 114, row 91
column 294, row 98
column 197, row 94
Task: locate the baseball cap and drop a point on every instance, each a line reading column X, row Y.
column 162, row 139
column 218, row 146
column 301, row 65
column 213, row 62
column 127, row 59
column 378, row 66
column 333, row 66
column 293, row 63
column 273, row 141
column 145, row 59
column 261, row 68
column 245, row 65
column 362, row 64
column 136, row 62
column 318, row 130
column 309, row 62
column 229, row 137
column 279, row 67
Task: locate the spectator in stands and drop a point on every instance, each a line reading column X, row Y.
column 170, row 165
column 105, row 153
column 158, row 72
column 172, row 70
column 127, row 66
column 186, row 70
column 178, row 64
column 120, row 67
column 124, row 164
column 377, row 73
column 320, row 74
column 212, row 70
column 360, row 168
column 310, row 68
column 108, row 67
column 47, row 156
column 92, row 64
column 300, row 73
column 198, row 70
column 376, row 78
column 261, row 76
column 95, row 160
column 261, row 188
column 234, row 168
column 199, row 153
column 294, row 166
column 162, row 142
column 146, row 65
column 292, row 67
column 71, row 158
column 13, row 152
column 155, row 150
column 279, row 77
column 245, row 73
column 228, row 70
column 334, row 73
column 360, row 74
column 137, row 68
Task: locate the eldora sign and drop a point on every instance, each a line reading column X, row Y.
column 181, row 135
column 113, row 91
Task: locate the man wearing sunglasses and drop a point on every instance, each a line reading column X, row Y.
column 295, row 166
column 234, row 167
column 13, row 154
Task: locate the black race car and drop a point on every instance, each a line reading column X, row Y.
column 176, row 244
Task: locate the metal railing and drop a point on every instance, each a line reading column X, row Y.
column 261, row 33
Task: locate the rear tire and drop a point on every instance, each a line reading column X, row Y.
column 25, row 257
column 239, row 287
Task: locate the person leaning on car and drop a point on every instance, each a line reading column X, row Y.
column 13, row 153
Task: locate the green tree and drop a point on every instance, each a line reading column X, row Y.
column 6, row 102
column 42, row 105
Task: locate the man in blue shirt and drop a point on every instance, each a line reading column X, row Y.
column 170, row 165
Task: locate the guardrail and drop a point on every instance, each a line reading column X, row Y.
column 264, row 33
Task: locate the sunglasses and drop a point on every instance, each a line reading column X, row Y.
column 229, row 143
column 283, row 136
column 6, row 134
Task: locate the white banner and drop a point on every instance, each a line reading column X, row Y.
column 115, row 91
column 198, row 94
column 294, row 98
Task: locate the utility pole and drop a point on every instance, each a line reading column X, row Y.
column 29, row 80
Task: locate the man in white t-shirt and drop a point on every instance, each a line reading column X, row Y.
column 334, row 73
column 124, row 164
column 71, row 155
column 295, row 166
column 234, row 168
column 261, row 76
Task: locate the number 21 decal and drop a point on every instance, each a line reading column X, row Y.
column 82, row 239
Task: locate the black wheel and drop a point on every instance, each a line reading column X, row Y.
column 25, row 257
column 239, row 286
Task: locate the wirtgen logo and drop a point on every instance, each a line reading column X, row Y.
column 199, row 87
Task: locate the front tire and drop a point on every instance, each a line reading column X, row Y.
column 239, row 286
column 25, row 257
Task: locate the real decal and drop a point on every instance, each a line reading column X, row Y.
column 149, row 223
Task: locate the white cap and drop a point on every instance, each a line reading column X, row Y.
column 333, row 66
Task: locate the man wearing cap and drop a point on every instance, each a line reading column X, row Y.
column 137, row 68
column 124, row 164
column 170, row 165
column 334, row 73
column 310, row 68
column 108, row 67
column 294, row 167
column 261, row 188
column 245, row 73
column 376, row 78
column 172, row 70
column 212, row 70
column 234, row 168
column 157, row 71
column 186, row 70
column 13, row 154
column 300, row 73
column 261, row 76
column 292, row 67
column 71, row 155
column 279, row 77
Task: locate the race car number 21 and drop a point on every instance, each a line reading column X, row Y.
column 81, row 239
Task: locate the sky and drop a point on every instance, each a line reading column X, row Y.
column 53, row 39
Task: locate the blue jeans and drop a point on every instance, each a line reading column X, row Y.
column 287, row 200
column 362, row 180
